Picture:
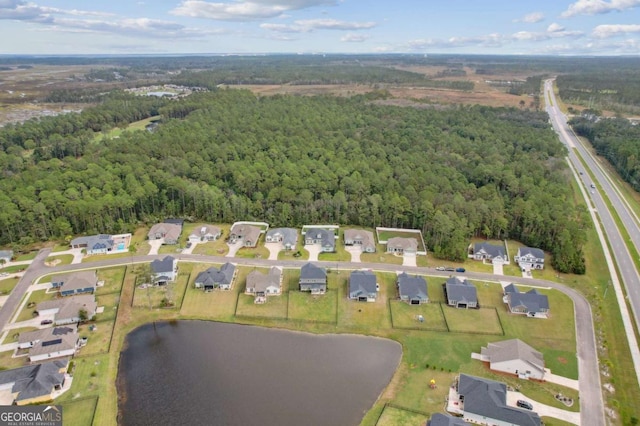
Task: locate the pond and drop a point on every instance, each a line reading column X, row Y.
column 208, row 373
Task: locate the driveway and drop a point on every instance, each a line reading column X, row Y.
column 155, row 245
column 314, row 251
column 274, row 249
column 233, row 248
column 409, row 259
column 544, row 410
column 497, row 268
column 355, row 251
column 189, row 250
column 560, row 380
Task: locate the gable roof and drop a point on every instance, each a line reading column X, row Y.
column 289, row 235
column 534, row 252
column 403, row 243
column 412, row 286
column 362, row 282
column 33, row 381
column 488, row 398
column 260, row 282
column 161, row 266
column 532, row 300
column 45, row 334
column 68, row 307
column 94, row 242
column 490, row 249
column 461, row 290
column 171, row 231
column 309, row 271
column 78, row 280
column 439, row 419
column 213, row 275
column 52, row 340
column 514, row 349
column 360, row 234
column 203, row 230
column 327, row 237
column 246, row 232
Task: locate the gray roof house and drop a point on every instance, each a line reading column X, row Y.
column 94, row 244
column 439, row 419
column 75, row 283
column 514, row 357
column 34, row 383
column 164, row 270
column 313, row 279
column 461, row 293
column 262, row 285
column 67, row 310
column 287, row 236
column 485, row 402
column 363, row 286
column 249, row 234
column 412, row 289
column 6, row 255
column 205, row 233
column 326, row 238
column 360, row 237
column 529, row 258
column 486, row 251
column 531, row 303
column 169, row 231
column 401, row 245
column 214, row 278
column 47, row 343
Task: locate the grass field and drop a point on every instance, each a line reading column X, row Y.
column 7, row 284
column 258, row 252
column 381, row 256
column 35, row 298
column 113, row 279
column 392, row 416
column 212, row 248
column 483, row 320
column 79, row 412
column 110, row 304
column 307, row 307
column 99, row 339
column 13, row 268
column 59, row 260
column 405, row 316
column 26, row 256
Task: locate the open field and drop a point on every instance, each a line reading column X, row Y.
column 98, row 339
column 79, row 412
column 7, row 285
column 404, row 315
column 392, row 416
column 110, row 303
column 483, row 320
column 113, row 279
column 311, row 307
column 30, row 307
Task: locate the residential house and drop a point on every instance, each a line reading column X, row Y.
column 170, row 232
column 529, row 258
column 67, row 310
column 214, row 278
column 326, row 238
column 248, row 234
column 47, row 343
column 514, row 357
column 363, row 286
column 262, row 285
column 313, row 279
column 439, row 419
column 205, row 233
column 75, row 283
column 360, row 237
column 33, row 384
column 164, row 270
column 401, row 245
column 461, row 293
column 486, row 251
column 287, row 236
column 102, row 243
column 412, row 289
column 531, row 303
column 6, row 256
column 484, row 401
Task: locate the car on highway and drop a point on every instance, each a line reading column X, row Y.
column 593, row 185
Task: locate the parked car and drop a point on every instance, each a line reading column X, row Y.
column 440, row 268
column 189, row 244
column 460, row 269
column 449, row 268
column 524, row 404
column 46, row 322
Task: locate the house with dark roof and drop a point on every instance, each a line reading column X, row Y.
column 439, row 419
column 248, row 234
column 164, row 270
column 401, row 245
column 359, row 237
column 325, row 238
column 168, row 230
column 486, row 251
column 514, row 357
column 287, row 236
column 214, row 278
column 263, row 285
column 205, row 233
column 37, row 383
column 313, row 279
column 461, row 293
column 484, row 401
column 363, row 286
column 412, row 289
column 48, row 343
column 102, row 243
column 67, row 310
column 529, row 258
column 75, row 283
column 532, row 303
column 6, row 255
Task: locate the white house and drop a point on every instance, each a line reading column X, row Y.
column 529, row 258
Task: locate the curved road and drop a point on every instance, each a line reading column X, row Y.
column 591, row 403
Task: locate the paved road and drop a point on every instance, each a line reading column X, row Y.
column 35, row 269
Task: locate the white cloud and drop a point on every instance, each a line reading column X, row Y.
column 606, row 31
column 282, row 28
column 308, row 25
column 531, row 18
column 597, row 7
column 554, row 28
column 353, row 38
column 243, row 10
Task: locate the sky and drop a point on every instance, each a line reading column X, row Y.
column 513, row 27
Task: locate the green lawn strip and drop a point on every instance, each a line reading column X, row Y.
column 212, row 248
column 100, row 257
column 385, row 235
column 259, row 252
column 482, row 321
column 35, row 298
column 79, row 412
column 14, row 334
column 562, row 363
column 7, row 362
column 59, row 260
column 7, row 285
column 406, row 316
column 14, row 268
column 381, row 256
column 60, row 247
column 89, row 376
column 308, row 307
column 340, row 255
column 110, row 304
column 99, row 338
column 170, row 249
column 26, row 256
column 113, row 279
column 392, row 416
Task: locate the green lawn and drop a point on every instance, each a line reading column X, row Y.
column 367, row 315
column 212, row 248
column 381, row 256
column 99, row 339
column 392, row 416
column 113, row 279
column 59, row 260
column 14, row 334
column 88, row 379
column 482, row 321
column 7, row 285
column 406, row 316
column 308, row 307
column 60, row 247
column 170, row 249
column 110, row 304
column 14, row 268
column 35, row 298
column 26, row 256
column 258, row 252
column 152, row 296
column 275, row 307
column 340, row 255
column 79, row 412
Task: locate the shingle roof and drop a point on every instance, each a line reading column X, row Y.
column 535, row 252
column 246, row 232
column 513, row 349
column 53, row 340
column 36, row 380
column 289, row 235
column 94, row 242
column 79, row 280
column 439, row 419
column 260, row 282
column 213, row 275
column 201, row 231
column 171, row 231
column 360, row 234
column 362, row 282
column 461, row 290
column 532, row 300
column 488, row 398
column 490, row 249
column 412, row 286
column 326, row 236
column 309, row 271
column 403, row 243
column 68, row 307
column 161, row 266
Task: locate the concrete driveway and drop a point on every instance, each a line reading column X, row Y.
column 314, row 250
column 233, row 248
column 544, row 410
column 155, row 245
column 409, row 259
column 497, row 268
column 274, row 249
column 355, row 252
column 190, row 249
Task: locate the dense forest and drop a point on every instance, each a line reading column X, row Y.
column 614, row 89
column 616, row 139
column 228, row 155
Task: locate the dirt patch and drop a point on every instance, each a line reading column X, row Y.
column 53, row 262
column 562, row 360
